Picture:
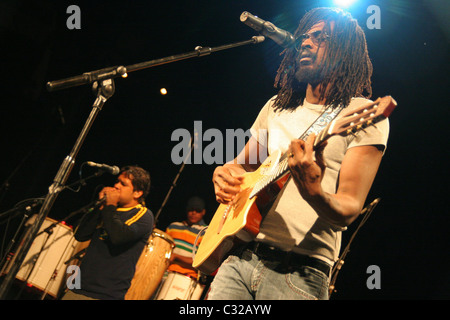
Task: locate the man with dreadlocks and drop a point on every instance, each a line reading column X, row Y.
column 300, row 235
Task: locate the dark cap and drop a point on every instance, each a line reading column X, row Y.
column 195, row 203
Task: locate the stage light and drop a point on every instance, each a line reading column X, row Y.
column 344, row 3
column 163, row 91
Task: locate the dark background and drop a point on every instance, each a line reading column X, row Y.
column 406, row 236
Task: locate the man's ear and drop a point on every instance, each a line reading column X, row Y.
column 137, row 194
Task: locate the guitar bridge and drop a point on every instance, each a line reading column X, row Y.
column 224, row 218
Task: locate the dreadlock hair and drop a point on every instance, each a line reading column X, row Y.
column 346, row 68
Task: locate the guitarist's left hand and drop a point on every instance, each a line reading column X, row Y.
column 307, row 166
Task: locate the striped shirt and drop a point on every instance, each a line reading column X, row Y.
column 114, row 249
column 184, row 237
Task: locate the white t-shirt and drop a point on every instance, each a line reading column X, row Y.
column 291, row 223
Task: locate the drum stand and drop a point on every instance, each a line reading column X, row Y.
column 11, row 213
column 26, row 208
column 192, row 289
column 102, row 81
column 86, row 209
column 55, row 272
column 35, row 258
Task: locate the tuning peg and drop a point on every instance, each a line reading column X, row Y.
column 371, row 123
column 351, row 131
column 360, row 127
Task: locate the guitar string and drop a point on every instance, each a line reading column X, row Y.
column 282, row 166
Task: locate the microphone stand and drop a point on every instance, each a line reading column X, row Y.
column 105, row 90
column 174, row 182
column 102, row 81
column 121, row 71
column 86, row 209
column 366, row 212
column 26, row 210
column 25, row 215
column 33, row 260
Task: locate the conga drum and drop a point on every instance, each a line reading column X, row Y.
column 152, row 264
column 43, row 267
column 180, row 287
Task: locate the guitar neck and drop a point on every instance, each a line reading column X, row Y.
column 280, row 170
column 351, row 122
column 282, row 167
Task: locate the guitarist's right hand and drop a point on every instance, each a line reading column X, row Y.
column 227, row 180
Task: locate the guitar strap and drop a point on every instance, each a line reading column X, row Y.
column 317, row 126
column 322, row 121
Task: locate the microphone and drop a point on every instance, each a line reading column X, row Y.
column 371, row 206
column 99, row 202
column 268, row 29
column 96, row 204
column 114, row 170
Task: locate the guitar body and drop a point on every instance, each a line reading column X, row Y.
column 238, row 222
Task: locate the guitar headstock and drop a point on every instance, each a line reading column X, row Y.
column 362, row 117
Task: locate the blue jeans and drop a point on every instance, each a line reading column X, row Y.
column 248, row 277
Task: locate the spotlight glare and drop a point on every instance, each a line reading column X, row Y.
column 163, row 91
column 344, row 3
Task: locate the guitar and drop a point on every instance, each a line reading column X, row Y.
column 239, row 221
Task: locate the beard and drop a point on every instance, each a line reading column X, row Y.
column 308, row 72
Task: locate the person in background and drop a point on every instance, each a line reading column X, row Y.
column 117, row 232
column 184, row 234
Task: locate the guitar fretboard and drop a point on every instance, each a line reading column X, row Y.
column 352, row 123
column 266, row 180
column 283, row 167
